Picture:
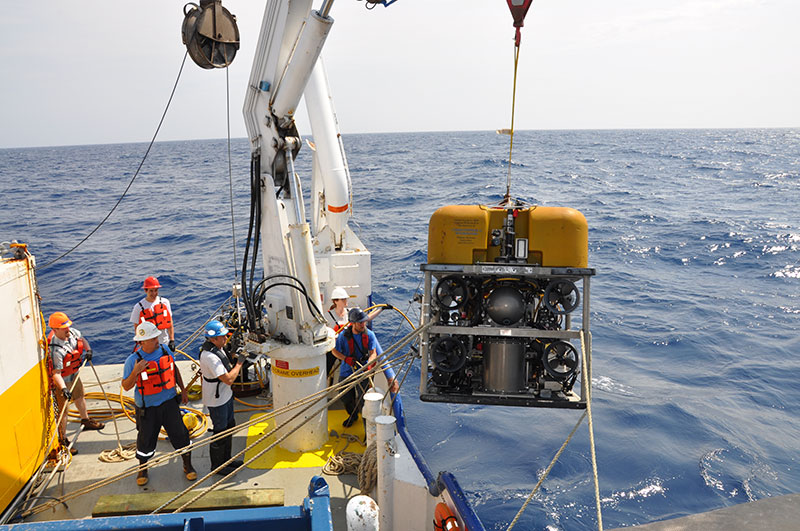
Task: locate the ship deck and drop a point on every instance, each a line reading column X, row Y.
column 287, row 471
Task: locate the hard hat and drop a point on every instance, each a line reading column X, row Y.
column 339, row 293
column 59, row 320
column 151, row 282
column 190, row 421
column 146, row 330
column 215, row 329
column 357, row 315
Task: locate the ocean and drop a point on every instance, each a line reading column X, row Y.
column 694, row 235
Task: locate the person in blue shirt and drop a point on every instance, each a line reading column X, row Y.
column 151, row 369
column 357, row 346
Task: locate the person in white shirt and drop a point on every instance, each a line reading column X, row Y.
column 219, row 374
column 157, row 310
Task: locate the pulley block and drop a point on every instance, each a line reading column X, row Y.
column 210, row 34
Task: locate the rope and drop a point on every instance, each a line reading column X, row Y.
column 546, row 472
column 343, row 462
column 588, row 375
column 587, row 413
column 136, row 174
column 511, row 134
column 368, row 469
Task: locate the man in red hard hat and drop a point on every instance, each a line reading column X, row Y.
column 68, row 349
column 157, row 310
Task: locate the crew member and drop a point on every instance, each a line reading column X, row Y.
column 157, row 310
column 357, row 346
column 151, row 370
column 218, row 376
column 68, row 349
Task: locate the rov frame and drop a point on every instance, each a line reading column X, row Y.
column 549, row 398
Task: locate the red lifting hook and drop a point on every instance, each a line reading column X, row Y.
column 519, row 8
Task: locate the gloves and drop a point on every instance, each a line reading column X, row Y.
column 371, row 366
column 67, row 394
column 241, row 357
column 171, row 345
column 87, row 355
column 350, row 360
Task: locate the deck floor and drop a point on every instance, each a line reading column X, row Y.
column 85, row 468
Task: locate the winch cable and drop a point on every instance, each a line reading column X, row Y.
column 344, row 386
column 136, row 173
column 588, row 414
column 230, row 168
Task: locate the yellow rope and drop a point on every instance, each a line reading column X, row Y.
column 588, row 375
column 511, row 134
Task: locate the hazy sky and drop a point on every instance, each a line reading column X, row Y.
column 92, row 71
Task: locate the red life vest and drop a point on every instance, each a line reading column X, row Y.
column 157, row 376
column 158, row 314
column 359, row 354
column 72, row 359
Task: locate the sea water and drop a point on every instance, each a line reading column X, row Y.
column 694, row 234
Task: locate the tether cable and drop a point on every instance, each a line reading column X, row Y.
column 136, row 174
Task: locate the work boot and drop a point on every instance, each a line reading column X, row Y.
column 188, row 469
column 141, row 477
column 91, row 424
column 224, row 471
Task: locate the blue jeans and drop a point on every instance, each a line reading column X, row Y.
column 222, row 419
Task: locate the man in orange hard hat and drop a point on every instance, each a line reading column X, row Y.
column 157, row 310
column 68, row 349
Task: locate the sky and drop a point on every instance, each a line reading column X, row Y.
column 95, row 72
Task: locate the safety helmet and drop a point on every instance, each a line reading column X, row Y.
column 146, row 330
column 190, row 421
column 59, row 320
column 339, row 293
column 357, row 315
column 215, row 329
column 151, row 282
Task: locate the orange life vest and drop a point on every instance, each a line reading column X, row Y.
column 158, row 314
column 72, row 359
column 157, row 376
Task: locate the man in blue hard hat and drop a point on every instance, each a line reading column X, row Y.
column 219, row 374
column 357, row 346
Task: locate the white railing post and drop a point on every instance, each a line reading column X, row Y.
column 386, row 452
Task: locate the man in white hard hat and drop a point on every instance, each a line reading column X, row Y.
column 152, row 371
column 156, row 309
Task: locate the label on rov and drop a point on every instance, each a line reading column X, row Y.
column 295, row 373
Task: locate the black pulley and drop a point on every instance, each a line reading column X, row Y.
column 210, row 34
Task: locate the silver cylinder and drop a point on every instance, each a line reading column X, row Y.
column 504, row 366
